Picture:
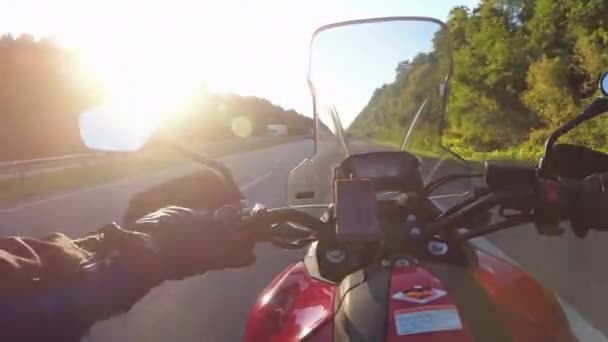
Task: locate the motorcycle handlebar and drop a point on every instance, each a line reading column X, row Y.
column 543, row 192
column 260, row 222
column 557, row 195
column 514, row 187
column 510, row 187
column 462, row 216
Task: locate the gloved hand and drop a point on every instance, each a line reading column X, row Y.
column 591, row 205
column 110, row 270
column 191, row 241
column 182, row 242
column 176, row 242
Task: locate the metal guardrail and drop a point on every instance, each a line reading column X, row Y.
column 20, row 169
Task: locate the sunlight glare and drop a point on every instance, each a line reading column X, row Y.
column 157, row 53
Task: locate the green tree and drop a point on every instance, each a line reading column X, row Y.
column 548, row 93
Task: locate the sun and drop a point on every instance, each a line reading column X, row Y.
column 159, row 84
column 155, row 55
column 151, row 60
column 148, row 76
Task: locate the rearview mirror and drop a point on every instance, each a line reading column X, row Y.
column 109, row 128
column 597, row 107
column 604, row 84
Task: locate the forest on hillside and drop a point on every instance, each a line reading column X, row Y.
column 522, row 68
column 43, row 89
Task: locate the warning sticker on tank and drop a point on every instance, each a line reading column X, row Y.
column 419, row 294
column 427, row 319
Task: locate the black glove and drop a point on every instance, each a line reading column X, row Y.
column 185, row 242
column 171, row 243
column 591, row 205
column 107, row 272
column 190, row 241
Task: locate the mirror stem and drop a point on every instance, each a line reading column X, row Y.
column 202, row 160
column 598, row 106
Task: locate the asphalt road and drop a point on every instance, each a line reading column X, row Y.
column 214, row 307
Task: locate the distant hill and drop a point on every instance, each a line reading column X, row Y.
column 392, row 107
column 43, row 91
column 224, row 116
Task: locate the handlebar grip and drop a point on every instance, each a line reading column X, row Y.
column 560, row 196
column 550, row 196
column 584, row 203
column 556, row 201
column 261, row 222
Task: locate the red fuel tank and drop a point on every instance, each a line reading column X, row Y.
column 490, row 301
column 293, row 306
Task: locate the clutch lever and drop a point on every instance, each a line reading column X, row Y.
column 289, row 230
column 287, row 235
column 265, row 223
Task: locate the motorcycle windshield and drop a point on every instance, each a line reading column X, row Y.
column 378, row 85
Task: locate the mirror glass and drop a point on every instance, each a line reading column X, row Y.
column 110, row 128
column 604, row 84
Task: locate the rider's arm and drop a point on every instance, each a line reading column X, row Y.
column 56, row 288
column 62, row 305
column 170, row 244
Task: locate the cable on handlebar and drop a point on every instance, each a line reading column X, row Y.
column 455, row 220
column 459, row 217
column 432, row 186
column 264, row 219
column 287, row 235
column 464, row 203
column 494, row 227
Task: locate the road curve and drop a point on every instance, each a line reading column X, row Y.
column 214, row 307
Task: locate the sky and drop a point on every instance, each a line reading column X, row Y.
column 158, row 52
column 349, row 63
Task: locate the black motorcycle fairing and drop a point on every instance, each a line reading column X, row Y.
column 474, row 302
column 362, row 298
column 361, row 306
column 311, row 262
column 389, row 170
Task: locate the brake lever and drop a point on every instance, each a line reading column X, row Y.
column 504, row 212
column 484, row 203
column 454, row 220
column 513, row 220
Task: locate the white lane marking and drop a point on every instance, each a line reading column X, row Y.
column 102, row 186
column 579, row 325
column 255, row 181
column 68, row 194
column 116, row 183
column 582, row 329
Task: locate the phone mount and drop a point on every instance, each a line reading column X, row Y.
column 598, row 106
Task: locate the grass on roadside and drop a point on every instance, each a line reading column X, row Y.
column 72, row 178
column 513, row 154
